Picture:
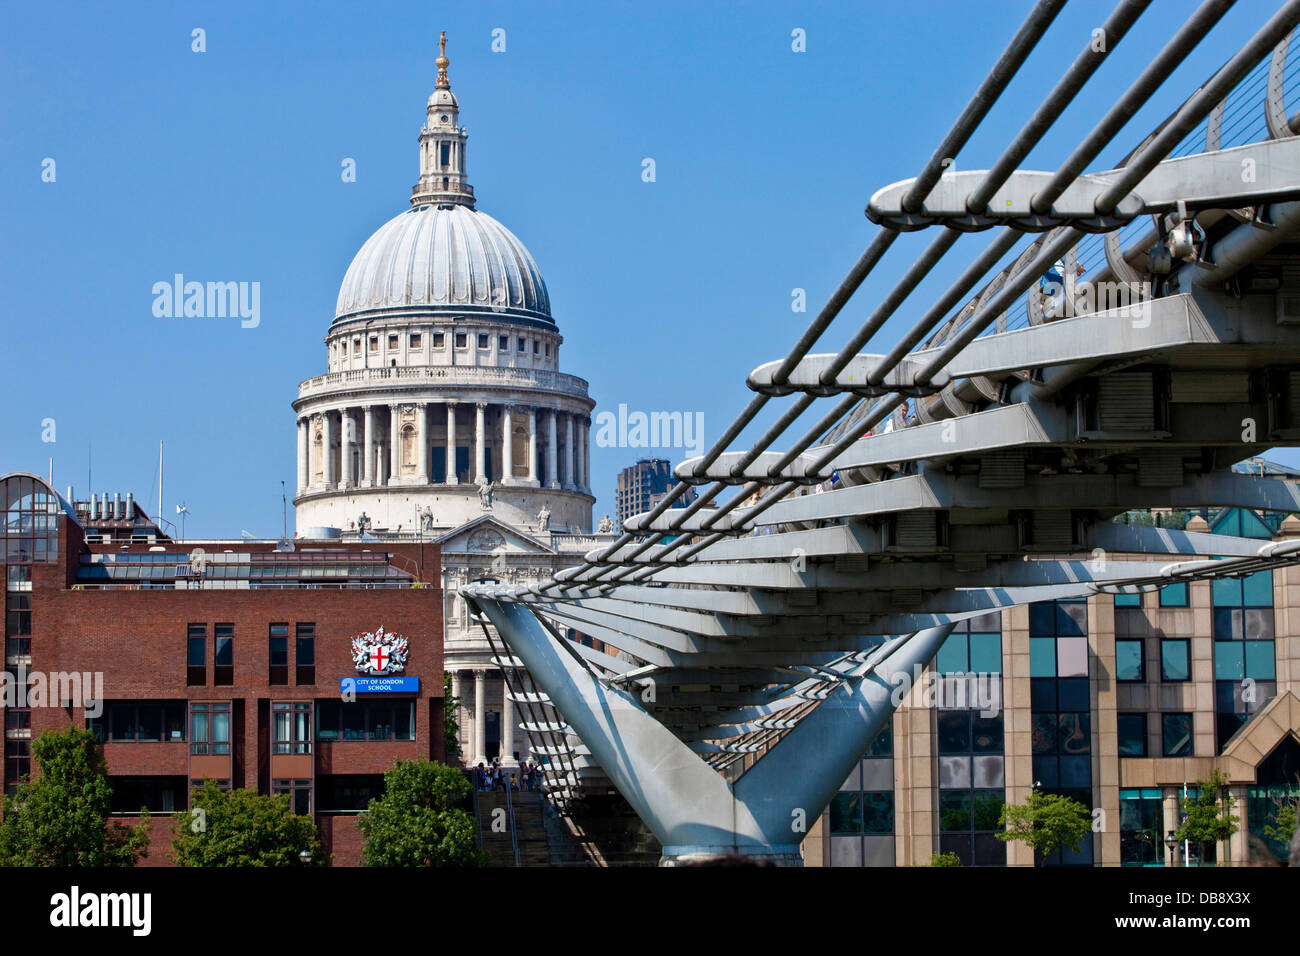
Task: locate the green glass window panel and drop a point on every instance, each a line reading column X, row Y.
column 1174, row 662
column 952, row 655
column 1132, row 735
column 1229, row 660
column 986, row 734
column 986, row 653
column 1128, row 600
column 1257, row 590
column 878, row 812
column 987, row 809
column 1174, row 595
column 1226, row 592
column 1043, row 736
column 1260, row 664
column 1042, row 657
column 1128, row 660
column 846, row 813
column 1074, row 734
column 954, row 731
column 1177, row 734
column 954, row 810
column 882, row 745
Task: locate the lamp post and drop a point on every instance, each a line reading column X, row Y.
column 305, row 857
column 1171, row 841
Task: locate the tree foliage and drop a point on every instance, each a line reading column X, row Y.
column 945, row 859
column 417, row 823
column 243, row 828
column 1046, row 821
column 61, row 817
column 1208, row 816
column 450, row 723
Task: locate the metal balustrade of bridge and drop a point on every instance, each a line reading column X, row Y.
column 977, row 462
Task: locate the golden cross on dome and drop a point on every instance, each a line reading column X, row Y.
column 442, row 62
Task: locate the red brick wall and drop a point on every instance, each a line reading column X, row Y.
column 161, row 830
column 341, row 838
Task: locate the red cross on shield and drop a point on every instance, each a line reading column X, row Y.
column 378, row 657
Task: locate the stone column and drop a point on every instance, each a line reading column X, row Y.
column 304, row 454
column 460, row 712
column 346, row 439
column 507, row 446
column 480, row 441
column 327, row 450
column 480, row 717
column 582, row 453
column 368, row 465
column 451, row 443
column 552, row 472
column 421, row 444
column 394, row 444
column 507, row 726
column 532, row 446
column 570, row 484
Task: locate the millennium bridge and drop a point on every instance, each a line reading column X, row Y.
column 1126, row 337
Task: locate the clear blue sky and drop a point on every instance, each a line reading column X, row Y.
column 225, row 165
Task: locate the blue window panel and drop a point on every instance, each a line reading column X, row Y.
column 1042, row 619
column 1076, row 772
column 1175, row 664
column 986, row 653
column 1229, row 660
column 1071, row 619
column 1073, row 694
column 1046, row 772
column 1042, row 657
column 1226, row 592
column 1174, row 595
column 1260, row 664
column 1128, row 660
column 952, row 655
column 1128, row 600
column 1257, row 590
column 1042, row 694
column 1228, row 624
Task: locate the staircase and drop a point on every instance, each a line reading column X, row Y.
column 525, row 821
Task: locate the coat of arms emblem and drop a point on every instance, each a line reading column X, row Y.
column 379, row 653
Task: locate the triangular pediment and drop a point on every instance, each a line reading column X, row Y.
column 487, row 535
column 1277, row 720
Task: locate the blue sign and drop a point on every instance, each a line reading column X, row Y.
column 379, row 685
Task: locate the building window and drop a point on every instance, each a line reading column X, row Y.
column 548, row 349
column 18, row 762
column 356, row 346
column 139, row 721
column 374, row 343
column 196, row 655
column 1243, row 651
column 291, row 725
column 306, row 654
column 415, row 340
column 392, row 342
column 209, row 729
column 347, row 791
column 537, row 346
column 18, row 623
column 1175, row 659
column 1141, row 839
column 1129, row 663
column 1132, row 735
column 1173, row 595
column 482, row 340
column 439, row 340
column 279, row 654
column 523, row 345
column 1176, row 734
column 223, row 671
column 155, row 794
column 298, row 791
column 365, row 720
column 462, row 339
column 503, row 343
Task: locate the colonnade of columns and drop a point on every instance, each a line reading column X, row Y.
column 475, row 751
column 370, row 446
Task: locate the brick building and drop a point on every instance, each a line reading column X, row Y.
column 229, row 660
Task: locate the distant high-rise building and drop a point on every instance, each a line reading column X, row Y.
column 643, row 485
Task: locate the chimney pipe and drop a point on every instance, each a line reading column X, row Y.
column 118, row 513
column 130, row 508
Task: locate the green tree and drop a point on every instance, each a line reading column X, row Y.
column 450, row 725
column 1282, row 829
column 243, row 828
column 1046, row 821
column 945, row 859
column 61, row 817
column 1208, row 816
column 417, row 823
